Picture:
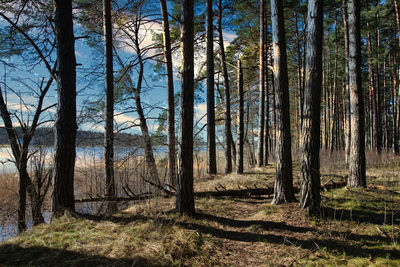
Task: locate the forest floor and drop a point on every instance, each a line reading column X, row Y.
column 357, row 227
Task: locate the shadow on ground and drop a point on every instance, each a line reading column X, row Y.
column 11, row 255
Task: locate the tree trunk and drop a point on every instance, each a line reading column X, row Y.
column 109, row 109
column 171, row 102
column 373, row 93
column 357, row 176
column 379, row 114
column 228, row 129
column 65, row 125
column 283, row 190
column 184, row 193
column 212, row 154
column 240, row 128
column 261, row 107
column 310, row 198
column 266, row 137
column 395, row 107
column 299, row 76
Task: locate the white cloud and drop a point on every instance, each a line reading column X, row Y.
column 200, row 112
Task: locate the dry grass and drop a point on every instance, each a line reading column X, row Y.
column 357, row 227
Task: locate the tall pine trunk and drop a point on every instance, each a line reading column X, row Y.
column 357, row 176
column 109, row 108
column 65, row 125
column 228, row 127
column 283, row 190
column 212, row 155
column 261, row 108
column 184, row 193
column 240, row 128
column 310, row 176
column 171, row 102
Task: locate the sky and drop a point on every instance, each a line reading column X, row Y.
column 154, row 93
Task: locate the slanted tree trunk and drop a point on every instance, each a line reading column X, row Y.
column 171, row 102
column 184, row 193
column 148, row 146
column 310, row 198
column 357, row 176
column 65, row 125
column 228, row 127
column 261, row 101
column 109, row 109
column 12, row 137
column 240, row 128
column 212, row 154
column 283, row 190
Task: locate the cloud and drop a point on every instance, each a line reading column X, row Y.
column 123, row 118
column 200, row 112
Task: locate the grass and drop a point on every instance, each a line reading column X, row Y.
column 356, row 227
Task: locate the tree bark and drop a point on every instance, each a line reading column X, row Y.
column 267, row 135
column 228, row 127
column 109, row 108
column 184, row 193
column 240, row 128
column 310, row 198
column 357, row 176
column 65, row 125
column 283, row 190
column 261, row 107
column 171, row 102
column 212, row 154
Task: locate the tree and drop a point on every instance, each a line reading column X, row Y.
column 240, row 128
column 310, row 177
column 20, row 43
column 184, row 193
column 65, row 126
column 171, row 103
column 228, row 127
column 357, row 176
column 212, row 157
column 131, row 28
column 347, row 92
column 261, row 108
column 109, row 107
column 283, row 190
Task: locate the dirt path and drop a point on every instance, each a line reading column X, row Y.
column 251, row 232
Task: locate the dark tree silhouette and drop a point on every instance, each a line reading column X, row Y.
column 184, row 193
column 65, row 126
column 212, row 156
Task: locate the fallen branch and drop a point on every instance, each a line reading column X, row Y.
column 226, row 193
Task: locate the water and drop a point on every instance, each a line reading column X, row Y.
column 82, row 153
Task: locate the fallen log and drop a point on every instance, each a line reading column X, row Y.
column 249, row 192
